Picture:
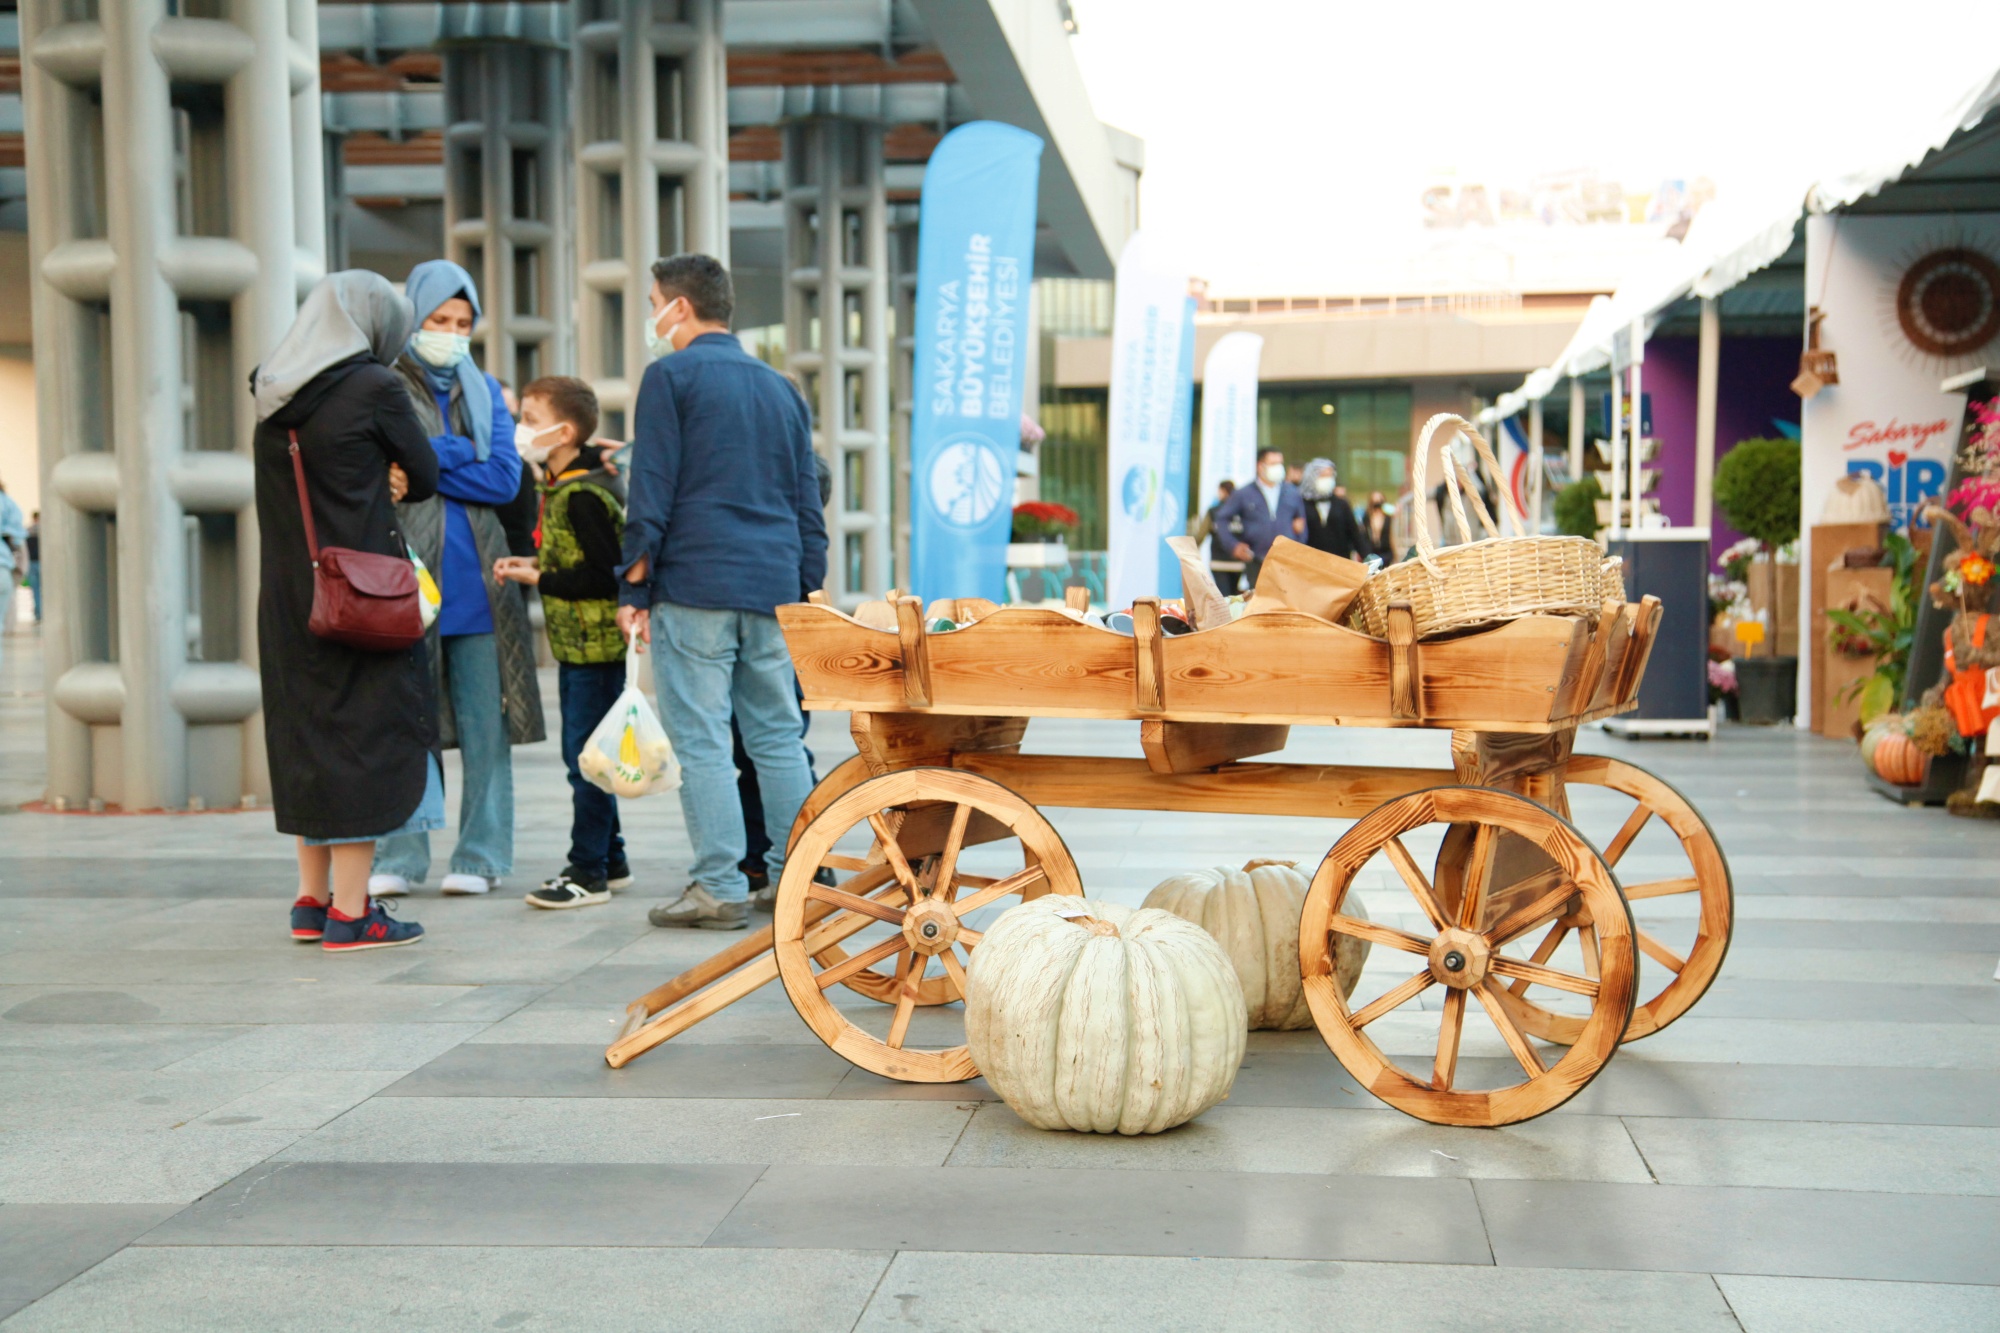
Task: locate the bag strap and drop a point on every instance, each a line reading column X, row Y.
column 305, row 504
column 632, row 658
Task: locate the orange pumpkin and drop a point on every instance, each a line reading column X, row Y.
column 1899, row 761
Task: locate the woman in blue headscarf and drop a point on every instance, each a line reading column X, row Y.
column 482, row 653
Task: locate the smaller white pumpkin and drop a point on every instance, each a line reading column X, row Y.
column 1097, row 1017
column 1253, row 913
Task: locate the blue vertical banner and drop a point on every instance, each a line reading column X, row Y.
column 1180, row 461
column 975, row 259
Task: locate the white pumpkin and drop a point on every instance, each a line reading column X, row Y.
column 1116, row 1020
column 1254, row 915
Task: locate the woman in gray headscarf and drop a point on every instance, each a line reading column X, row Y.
column 349, row 734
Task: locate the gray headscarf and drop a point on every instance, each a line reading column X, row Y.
column 346, row 314
column 1317, row 479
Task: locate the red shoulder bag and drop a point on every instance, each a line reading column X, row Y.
column 361, row 599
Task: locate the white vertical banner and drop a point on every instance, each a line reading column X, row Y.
column 1147, row 325
column 1229, row 413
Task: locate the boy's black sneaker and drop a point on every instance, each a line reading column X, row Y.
column 569, row 889
column 308, row 921
column 376, row 930
column 620, row 876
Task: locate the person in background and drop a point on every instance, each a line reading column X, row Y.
column 1269, row 509
column 482, row 657
column 723, row 526
column 35, row 560
column 1330, row 524
column 582, row 528
column 519, row 516
column 1378, row 529
column 13, row 555
column 1294, row 474
column 1203, row 529
column 350, row 736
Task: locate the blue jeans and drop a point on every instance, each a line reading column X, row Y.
column 486, row 801
column 587, row 693
column 710, row 667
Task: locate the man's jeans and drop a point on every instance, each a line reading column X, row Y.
column 709, row 666
column 587, row 694
column 486, row 803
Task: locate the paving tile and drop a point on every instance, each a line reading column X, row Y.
column 541, row 968
column 1778, row 1232
column 302, row 1101
column 1061, row 1293
column 1111, row 1212
column 671, row 1070
column 1903, row 1159
column 117, row 1099
column 461, row 1203
column 1845, row 1000
column 106, row 876
column 1832, row 1305
column 627, row 1129
column 50, row 1046
column 1337, row 1142
column 251, row 1289
column 864, row 1086
column 1634, row 1085
column 303, row 999
column 1786, row 1041
column 356, row 1046
column 129, row 1166
column 44, row 1245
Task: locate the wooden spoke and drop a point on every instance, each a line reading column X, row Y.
column 1496, row 1009
column 841, row 971
column 1000, row 888
column 1376, row 933
column 910, row 975
column 1661, row 954
column 854, row 903
column 834, row 861
column 1472, row 894
column 1520, row 922
column 1633, row 823
column 946, row 884
column 954, row 969
column 1542, row 953
column 1503, row 966
column 964, row 881
column 1661, row 888
column 1449, row 1027
column 1420, row 888
column 1394, row 998
column 1587, row 941
column 885, row 838
column 970, row 938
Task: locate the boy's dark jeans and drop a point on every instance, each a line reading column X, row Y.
column 587, row 693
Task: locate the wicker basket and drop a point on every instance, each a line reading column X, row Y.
column 1482, row 582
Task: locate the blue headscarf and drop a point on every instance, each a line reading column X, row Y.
column 429, row 286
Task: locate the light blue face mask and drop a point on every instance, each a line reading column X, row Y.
column 439, row 348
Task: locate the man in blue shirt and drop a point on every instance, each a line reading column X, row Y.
column 722, row 526
column 1269, row 508
column 13, row 556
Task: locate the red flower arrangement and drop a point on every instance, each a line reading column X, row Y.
column 1043, row 520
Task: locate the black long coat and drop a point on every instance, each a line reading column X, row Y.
column 349, row 733
column 1337, row 533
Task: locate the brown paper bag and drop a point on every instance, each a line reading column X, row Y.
column 1295, row 577
column 1205, row 601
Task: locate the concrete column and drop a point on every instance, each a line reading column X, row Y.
column 167, row 257
column 836, row 334
column 507, row 201
column 1708, row 365
column 652, row 150
column 1575, row 429
column 1535, row 467
column 902, row 378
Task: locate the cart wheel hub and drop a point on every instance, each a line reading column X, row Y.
column 1459, row 958
column 930, row 926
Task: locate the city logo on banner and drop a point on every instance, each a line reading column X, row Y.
column 1909, row 460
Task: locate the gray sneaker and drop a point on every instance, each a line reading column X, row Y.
column 698, row 909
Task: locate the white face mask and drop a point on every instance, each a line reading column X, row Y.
column 659, row 344
column 524, row 442
column 439, row 348
column 1273, row 473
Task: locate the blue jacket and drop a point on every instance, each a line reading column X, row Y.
column 1260, row 526
column 724, row 499
column 463, row 477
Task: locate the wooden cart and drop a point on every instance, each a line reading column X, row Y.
column 938, row 719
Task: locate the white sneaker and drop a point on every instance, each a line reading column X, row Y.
column 387, row 886
column 464, row 884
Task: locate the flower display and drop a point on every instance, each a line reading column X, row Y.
column 1042, row 520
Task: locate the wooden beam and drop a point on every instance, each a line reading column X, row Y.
column 916, row 654
column 1186, row 747
column 1312, row 790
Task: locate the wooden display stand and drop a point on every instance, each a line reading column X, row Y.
column 1827, row 543
column 1869, row 588
column 938, row 720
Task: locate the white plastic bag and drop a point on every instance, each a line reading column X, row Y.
column 629, row 754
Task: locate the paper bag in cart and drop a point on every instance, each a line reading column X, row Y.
column 1295, row 577
column 629, row 754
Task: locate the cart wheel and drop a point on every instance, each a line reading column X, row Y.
column 846, row 776
column 1688, row 949
column 912, row 891
column 1461, row 948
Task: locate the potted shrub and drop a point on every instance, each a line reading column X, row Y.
column 1757, row 489
column 1040, row 537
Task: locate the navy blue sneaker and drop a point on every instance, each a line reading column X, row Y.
column 619, row 877
column 376, row 930
column 308, row 921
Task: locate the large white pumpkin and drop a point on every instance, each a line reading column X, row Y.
column 1113, row 1020
column 1253, row 913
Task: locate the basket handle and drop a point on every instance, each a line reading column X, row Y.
column 1453, row 470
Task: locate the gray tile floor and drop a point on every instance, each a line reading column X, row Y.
column 205, row 1126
